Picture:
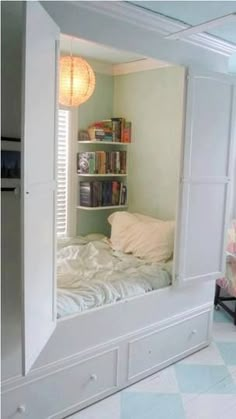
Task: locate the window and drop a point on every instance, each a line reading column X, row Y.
column 62, row 172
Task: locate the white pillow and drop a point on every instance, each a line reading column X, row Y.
column 147, row 219
column 143, row 236
column 120, row 223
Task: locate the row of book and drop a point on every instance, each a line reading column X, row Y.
column 101, row 162
column 102, row 193
column 111, row 130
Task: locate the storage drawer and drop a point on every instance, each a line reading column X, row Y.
column 63, row 389
column 158, row 347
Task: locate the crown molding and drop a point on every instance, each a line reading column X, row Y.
column 154, row 22
column 137, row 66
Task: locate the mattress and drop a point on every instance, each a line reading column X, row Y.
column 90, row 274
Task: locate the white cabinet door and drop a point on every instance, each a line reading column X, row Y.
column 39, row 108
column 205, row 177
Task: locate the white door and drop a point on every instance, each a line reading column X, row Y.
column 205, row 178
column 40, row 62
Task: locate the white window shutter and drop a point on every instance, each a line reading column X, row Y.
column 62, row 172
column 39, row 137
column 206, row 178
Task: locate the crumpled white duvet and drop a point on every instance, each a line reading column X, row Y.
column 91, row 274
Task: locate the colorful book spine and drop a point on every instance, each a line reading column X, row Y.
column 102, row 193
column 86, row 162
column 127, row 132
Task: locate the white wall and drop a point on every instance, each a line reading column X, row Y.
column 10, row 204
column 153, row 101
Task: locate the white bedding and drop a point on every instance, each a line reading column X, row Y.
column 90, row 274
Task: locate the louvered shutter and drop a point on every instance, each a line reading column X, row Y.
column 62, row 172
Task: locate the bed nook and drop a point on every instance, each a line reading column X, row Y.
column 125, row 271
column 125, row 242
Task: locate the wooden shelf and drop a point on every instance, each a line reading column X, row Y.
column 103, row 142
column 101, row 175
column 102, row 208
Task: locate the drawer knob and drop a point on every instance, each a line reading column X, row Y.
column 194, row 331
column 93, row 377
column 21, row 409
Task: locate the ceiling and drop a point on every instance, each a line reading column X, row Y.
column 95, row 51
column 196, row 12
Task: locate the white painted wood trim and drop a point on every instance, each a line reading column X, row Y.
column 111, row 345
column 102, row 208
column 139, row 65
column 202, row 26
column 156, row 23
column 159, row 330
column 102, row 175
column 92, row 142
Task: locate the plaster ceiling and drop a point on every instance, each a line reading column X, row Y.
column 95, row 51
column 196, row 12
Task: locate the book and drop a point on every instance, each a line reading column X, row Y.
column 101, row 130
column 117, row 162
column 123, row 195
column 115, row 193
column 86, row 162
column 96, row 196
column 117, row 129
column 123, row 161
column 127, row 132
column 102, row 193
column 86, row 199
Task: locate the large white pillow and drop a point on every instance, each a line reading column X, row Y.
column 143, row 236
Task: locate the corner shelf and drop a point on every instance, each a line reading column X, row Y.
column 104, row 147
column 101, row 175
column 102, row 208
column 103, row 142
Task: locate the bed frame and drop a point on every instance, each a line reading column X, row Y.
column 220, row 301
column 97, row 353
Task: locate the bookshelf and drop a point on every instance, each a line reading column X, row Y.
column 108, row 207
column 97, row 142
column 102, row 171
column 105, row 175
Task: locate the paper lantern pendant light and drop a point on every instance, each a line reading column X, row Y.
column 77, row 81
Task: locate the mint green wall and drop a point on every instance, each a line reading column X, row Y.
column 153, row 101
column 99, row 106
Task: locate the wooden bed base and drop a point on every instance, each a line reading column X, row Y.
column 219, row 301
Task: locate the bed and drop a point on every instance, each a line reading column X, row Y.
column 91, row 274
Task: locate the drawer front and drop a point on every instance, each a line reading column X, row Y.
column 158, row 347
column 63, row 389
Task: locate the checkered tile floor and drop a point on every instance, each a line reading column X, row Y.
column 202, row 386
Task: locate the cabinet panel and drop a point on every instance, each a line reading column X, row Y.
column 38, row 198
column 154, row 349
column 63, row 389
column 205, row 179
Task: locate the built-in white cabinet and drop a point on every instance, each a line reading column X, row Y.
column 38, row 197
column 203, row 185
column 205, row 178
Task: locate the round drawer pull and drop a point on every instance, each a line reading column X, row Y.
column 21, row 409
column 194, row 332
column 93, row 377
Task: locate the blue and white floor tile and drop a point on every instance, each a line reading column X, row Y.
column 201, row 386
